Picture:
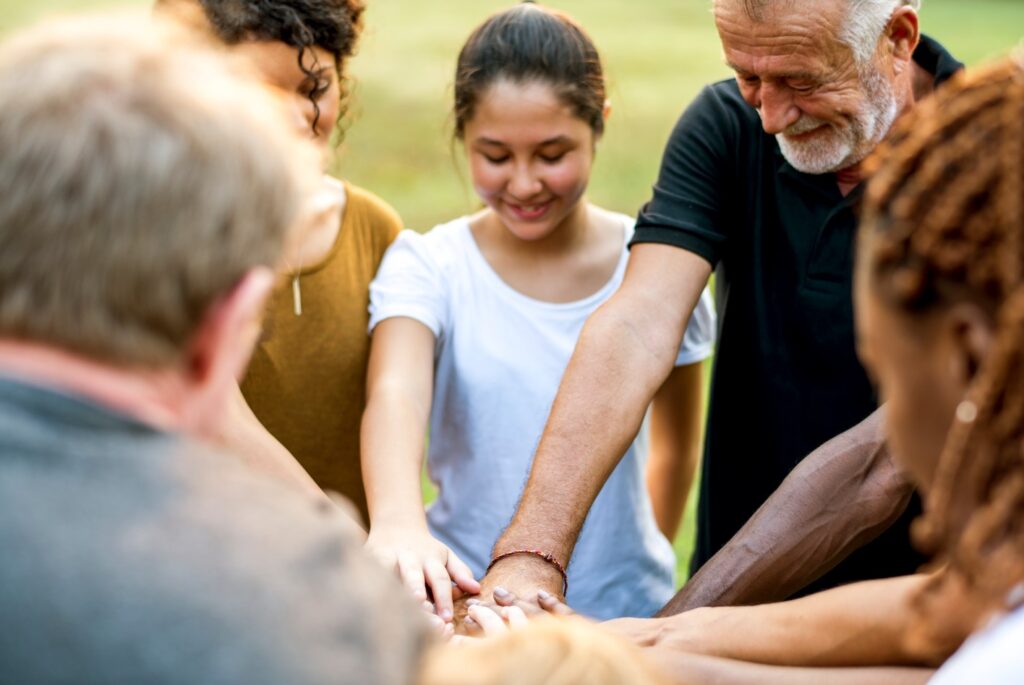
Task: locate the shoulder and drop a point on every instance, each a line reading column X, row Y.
column 718, row 126
column 721, row 105
column 439, row 250
column 151, row 541
column 366, row 211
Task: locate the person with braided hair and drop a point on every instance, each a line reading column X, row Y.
column 306, row 382
column 940, row 308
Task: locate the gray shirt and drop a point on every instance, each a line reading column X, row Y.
column 129, row 555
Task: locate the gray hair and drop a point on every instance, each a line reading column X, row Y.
column 142, row 178
column 864, row 23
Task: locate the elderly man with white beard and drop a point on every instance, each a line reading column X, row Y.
column 759, row 180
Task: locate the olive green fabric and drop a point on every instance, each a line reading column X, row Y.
column 307, row 379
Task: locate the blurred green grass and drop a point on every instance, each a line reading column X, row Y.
column 657, row 55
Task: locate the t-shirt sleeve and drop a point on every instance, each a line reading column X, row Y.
column 699, row 339
column 698, row 170
column 409, row 284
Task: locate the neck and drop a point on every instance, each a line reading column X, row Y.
column 849, row 178
column 152, row 397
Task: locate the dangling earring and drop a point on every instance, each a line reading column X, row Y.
column 966, row 412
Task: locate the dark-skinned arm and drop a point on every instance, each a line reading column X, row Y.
column 842, row 496
column 626, row 351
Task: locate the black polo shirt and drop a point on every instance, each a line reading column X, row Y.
column 786, row 376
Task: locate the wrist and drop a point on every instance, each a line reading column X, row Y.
column 543, row 569
column 399, row 521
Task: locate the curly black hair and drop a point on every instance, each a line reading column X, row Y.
column 332, row 25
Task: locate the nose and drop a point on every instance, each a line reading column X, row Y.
column 778, row 112
column 308, row 113
column 524, row 183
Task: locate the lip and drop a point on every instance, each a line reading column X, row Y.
column 807, row 134
column 531, row 212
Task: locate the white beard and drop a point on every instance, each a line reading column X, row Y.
column 832, row 148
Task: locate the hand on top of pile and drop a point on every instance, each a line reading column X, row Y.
column 423, row 562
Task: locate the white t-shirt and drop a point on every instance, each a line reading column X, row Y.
column 499, row 359
column 995, row 656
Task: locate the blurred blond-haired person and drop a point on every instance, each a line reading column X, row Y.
column 548, row 650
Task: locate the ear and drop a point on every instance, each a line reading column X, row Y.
column 903, row 33
column 220, row 349
column 970, row 332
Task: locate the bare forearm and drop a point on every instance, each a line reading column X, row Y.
column 675, row 431
column 600, row 404
column 863, row 624
column 686, row 669
column 243, row 435
column 624, row 353
column 840, row 497
column 392, row 439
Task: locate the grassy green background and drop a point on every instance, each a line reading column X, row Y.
column 657, row 53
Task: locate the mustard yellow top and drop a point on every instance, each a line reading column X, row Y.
column 307, row 379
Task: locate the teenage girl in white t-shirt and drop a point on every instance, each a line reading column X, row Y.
column 474, row 323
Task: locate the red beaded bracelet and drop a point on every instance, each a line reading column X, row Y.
column 550, row 558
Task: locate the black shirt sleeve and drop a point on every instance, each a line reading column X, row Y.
column 698, row 172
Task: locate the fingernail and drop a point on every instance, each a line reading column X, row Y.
column 546, row 596
column 501, row 592
column 446, row 615
column 468, row 621
column 472, row 602
column 427, row 606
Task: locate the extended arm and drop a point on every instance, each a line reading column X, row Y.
column 687, row 669
column 242, row 434
column 843, row 495
column 862, row 624
column 399, row 392
column 675, row 430
column 624, row 354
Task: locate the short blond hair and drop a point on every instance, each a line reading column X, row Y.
column 143, row 176
column 549, row 651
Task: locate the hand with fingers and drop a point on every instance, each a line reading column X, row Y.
column 422, row 562
column 491, row 622
column 513, row 581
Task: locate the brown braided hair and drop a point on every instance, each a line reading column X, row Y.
column 944, row 212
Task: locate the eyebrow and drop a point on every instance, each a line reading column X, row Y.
column 550, row 141
column 795, row 76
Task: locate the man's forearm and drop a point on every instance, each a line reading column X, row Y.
column 625, row 352
column 843, row 495
column 598, row 411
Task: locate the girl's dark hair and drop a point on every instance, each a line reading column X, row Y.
column 525, row 43
column 944, row 222
column 332, row 25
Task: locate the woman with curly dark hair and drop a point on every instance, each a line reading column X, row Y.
column 306, row 381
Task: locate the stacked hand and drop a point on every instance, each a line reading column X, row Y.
column 523, row 581
column 423, row 562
